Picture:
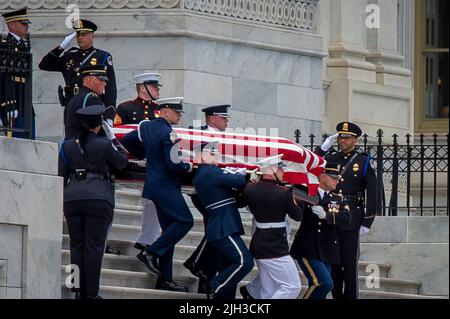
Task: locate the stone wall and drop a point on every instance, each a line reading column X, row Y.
column 416, row 247
column 30, row 219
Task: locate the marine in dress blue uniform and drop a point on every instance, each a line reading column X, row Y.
column 71, row 61
column 214, row 187
column 163, row 187
column 358, row 186
column 315, row 245
column 202, row 261
column 84, row 164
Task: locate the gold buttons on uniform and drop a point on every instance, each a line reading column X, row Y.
column 318, row 231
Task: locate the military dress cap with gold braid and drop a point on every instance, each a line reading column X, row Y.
column 174, row 103
column 347, row 129
column 84, row 26
column 98, row 70
column 148, row 78
column 333, row 169
column 219, row 110
column 20, row 15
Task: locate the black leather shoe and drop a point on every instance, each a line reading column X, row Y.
column 245, row 294
column 194, row 270
column 112, row 251
column 139, row 246
column 150, row 261
column 170, row 286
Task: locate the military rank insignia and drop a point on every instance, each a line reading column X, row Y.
column 333, row 207
column 93, row 61
column 355, row 167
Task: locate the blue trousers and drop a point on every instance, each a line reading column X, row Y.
column 175, row 220
column 234, row 263
column 318, row 273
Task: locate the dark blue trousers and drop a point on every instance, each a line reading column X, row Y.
column 234, row 261
column 318, row 273
column 175, row 220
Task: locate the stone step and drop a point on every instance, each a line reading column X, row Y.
column 131, row 263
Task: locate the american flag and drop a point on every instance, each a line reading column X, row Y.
column 245, row 150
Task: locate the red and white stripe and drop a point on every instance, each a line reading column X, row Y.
column 245, row 150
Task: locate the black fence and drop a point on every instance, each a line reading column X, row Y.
column 15, row 88
column 414, row 173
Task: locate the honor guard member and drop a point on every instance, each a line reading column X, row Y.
column 315, row 245
column 214, row 187
column 70, row 62
column 84, row 163
column 12, row 90
column 143, row 107
column 202, row 261
column 270, row 203
column 358, row 186
column 163, row 187
column 93, row 85
column 133, row 112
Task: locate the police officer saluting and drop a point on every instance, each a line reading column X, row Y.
column 315, row 245
column 358, row 186
column 84, row 163
column 143, row 106
column 69, row 63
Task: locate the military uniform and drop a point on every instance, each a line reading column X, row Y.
column 85, row 98
column 70, row 62
column 13, row 86
column 89, row 198
column 316, row 244
column 224, row 228
column 277, row 277
column 135, row 111
column 358, row 186
column 202, row 262
column 163, row 187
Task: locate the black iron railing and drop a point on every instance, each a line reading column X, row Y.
column 414, row 174
column 16, row 88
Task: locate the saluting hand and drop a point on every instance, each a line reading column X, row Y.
column 108, row 131
column 67, row 40
column 329, row 142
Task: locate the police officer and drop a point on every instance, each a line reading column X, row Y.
column 70, row 62
column 315, row 245
column 143, row 107
column 202, row 262
column 12, row 90
column 93, row 85
column 270, row 203
column 163, row 187
column 84, row 163
column 358, row 186
column 214, row 187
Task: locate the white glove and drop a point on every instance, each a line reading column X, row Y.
column 363, row 230
column 12, row 115
column 329, row 142
column 67, row 40
column 108, row 131
column 319, row 211
column 235, row 170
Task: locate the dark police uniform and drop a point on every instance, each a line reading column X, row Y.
column 202, row 262
column 316, row 246
column 70, row 62
column 89, row 199
column 163, row 187
column 13, row 86
column 135, row 111
column 224, row 228
column 358, row 186
column 85, row 98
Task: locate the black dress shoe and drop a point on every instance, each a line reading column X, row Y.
column 112, row 251
column 194, row 270
column 245, row 294
column 150, row 261
column 139, row 246
column 170, row 286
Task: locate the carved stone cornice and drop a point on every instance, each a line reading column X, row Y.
column 90, row 4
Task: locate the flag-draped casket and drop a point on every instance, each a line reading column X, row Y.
column 245, row 150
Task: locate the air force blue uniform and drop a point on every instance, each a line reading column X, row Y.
column 224, row 228
column 163, row 187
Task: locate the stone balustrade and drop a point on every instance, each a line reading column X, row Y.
column 290, row 13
